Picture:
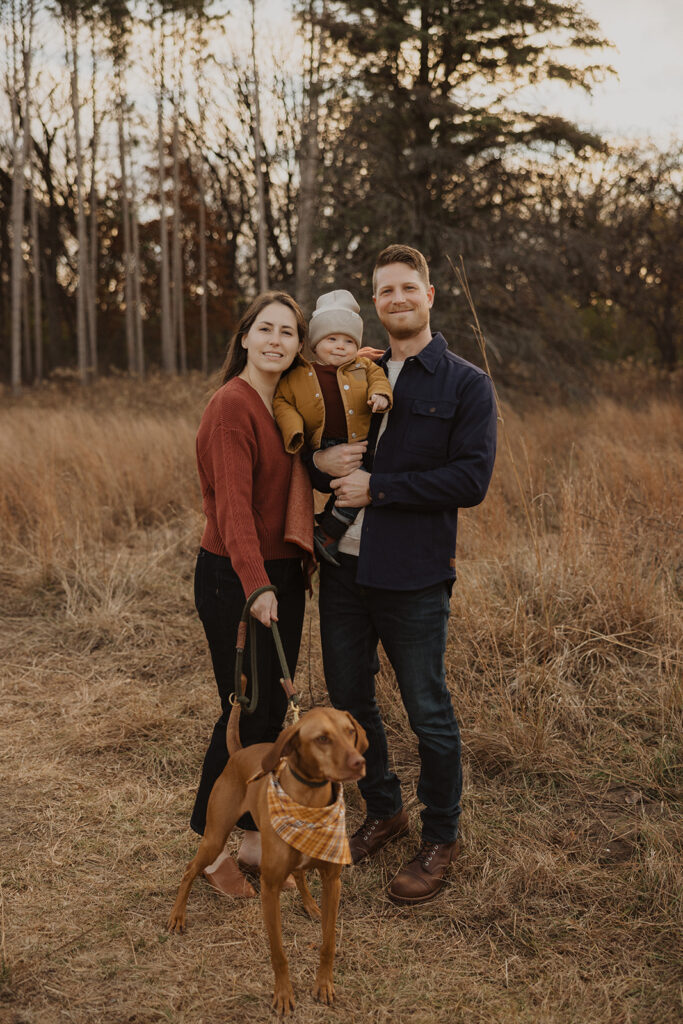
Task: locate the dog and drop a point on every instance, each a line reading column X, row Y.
column 324, row 747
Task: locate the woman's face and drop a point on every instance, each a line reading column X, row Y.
column 272, row 341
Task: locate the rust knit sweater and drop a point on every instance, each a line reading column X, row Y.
column 248, row 484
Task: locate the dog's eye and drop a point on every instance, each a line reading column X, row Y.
column 324, row 739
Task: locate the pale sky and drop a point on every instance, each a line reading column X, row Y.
column 647, row 98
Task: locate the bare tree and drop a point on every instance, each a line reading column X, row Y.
column 137, row 297
column 93, row 268
column 200, row 65
column 125, row 217
column 309, row 156
column 71, row 16
column 258, row 165
column 168, row 352
column 37, row 291
column 178, row 314
column 21, row 41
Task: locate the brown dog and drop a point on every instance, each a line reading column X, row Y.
column 325, row 746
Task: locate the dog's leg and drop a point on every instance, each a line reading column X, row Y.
column 283, row 996
column 206, row 854
column 331, row 891
column 222, row 815
column 310, row 906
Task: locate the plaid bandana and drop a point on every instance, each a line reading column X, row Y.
column 319, row 832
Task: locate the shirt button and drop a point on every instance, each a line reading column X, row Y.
column 350, row 412
column 317, row 394
column 381, row 495
column 433, row 409
column 354, row 434
column 346, row 387
column 310, row 373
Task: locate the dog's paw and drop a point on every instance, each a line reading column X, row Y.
column 312, row 909
column 323, row 990
column 176, row 922
column 283, row 999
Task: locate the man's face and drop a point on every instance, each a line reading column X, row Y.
column 402, row 300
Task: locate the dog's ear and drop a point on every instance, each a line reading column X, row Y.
column 361, row 740
column 282, row 746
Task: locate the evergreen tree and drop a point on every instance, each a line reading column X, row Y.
column 430, row 142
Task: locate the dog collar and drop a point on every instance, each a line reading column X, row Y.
column 307, row 782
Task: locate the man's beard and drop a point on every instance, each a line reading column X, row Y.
column 404, row 333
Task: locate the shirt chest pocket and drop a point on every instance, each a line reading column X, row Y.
column 429, row 427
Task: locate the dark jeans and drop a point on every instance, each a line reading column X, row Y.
column 412, row 626
column 219, row 599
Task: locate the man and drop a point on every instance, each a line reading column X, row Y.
column 434, row 454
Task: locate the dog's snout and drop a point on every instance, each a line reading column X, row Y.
column 355, row 761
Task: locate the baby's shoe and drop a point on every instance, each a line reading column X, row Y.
column 326, row 547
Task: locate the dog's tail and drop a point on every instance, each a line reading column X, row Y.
column 232, row 735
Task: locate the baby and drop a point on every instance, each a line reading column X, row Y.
column 331, row 401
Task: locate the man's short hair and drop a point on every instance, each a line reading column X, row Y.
column 402, row 254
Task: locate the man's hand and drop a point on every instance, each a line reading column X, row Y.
column 264, row 608
column 378, row 403
column 341, row 459
column 353, row 490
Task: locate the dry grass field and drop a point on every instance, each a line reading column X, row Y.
column 564, row 661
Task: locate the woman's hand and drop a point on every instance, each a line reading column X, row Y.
column 371, row 353
column 341, row 459
column 264, row 608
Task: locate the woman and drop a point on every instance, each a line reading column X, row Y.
column 259, row 512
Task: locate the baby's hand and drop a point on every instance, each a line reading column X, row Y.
column 378, row 403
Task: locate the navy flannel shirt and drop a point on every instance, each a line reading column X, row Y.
column 435, row 456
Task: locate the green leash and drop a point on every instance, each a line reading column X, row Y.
column 238, row 697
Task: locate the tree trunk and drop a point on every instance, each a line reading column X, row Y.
column 309, row 159
column 83, row 262
column 178, row 287
column 168, row 355
column 201, row 185
column 262, row 253
column 26, row 333
column 127, row 244
column 37, row 293
column 21, row 150
column 139, row 340
column 93, row 270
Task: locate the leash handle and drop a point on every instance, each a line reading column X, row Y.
column 249, row 706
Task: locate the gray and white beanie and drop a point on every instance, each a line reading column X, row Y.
column 335, row 312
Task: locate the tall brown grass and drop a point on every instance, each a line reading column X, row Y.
column 565, row 668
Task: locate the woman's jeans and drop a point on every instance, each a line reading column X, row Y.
column 412, row 626
column 220, row 600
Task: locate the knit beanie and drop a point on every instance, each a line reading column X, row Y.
column 335, row 313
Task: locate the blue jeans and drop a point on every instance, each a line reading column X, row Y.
column 412, row 626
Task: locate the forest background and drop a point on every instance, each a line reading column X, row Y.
column 160, row 162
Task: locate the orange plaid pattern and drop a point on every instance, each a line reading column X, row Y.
column 319, row 832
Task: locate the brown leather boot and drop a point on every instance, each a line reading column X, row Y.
column 375, row 833
column 424, row 877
